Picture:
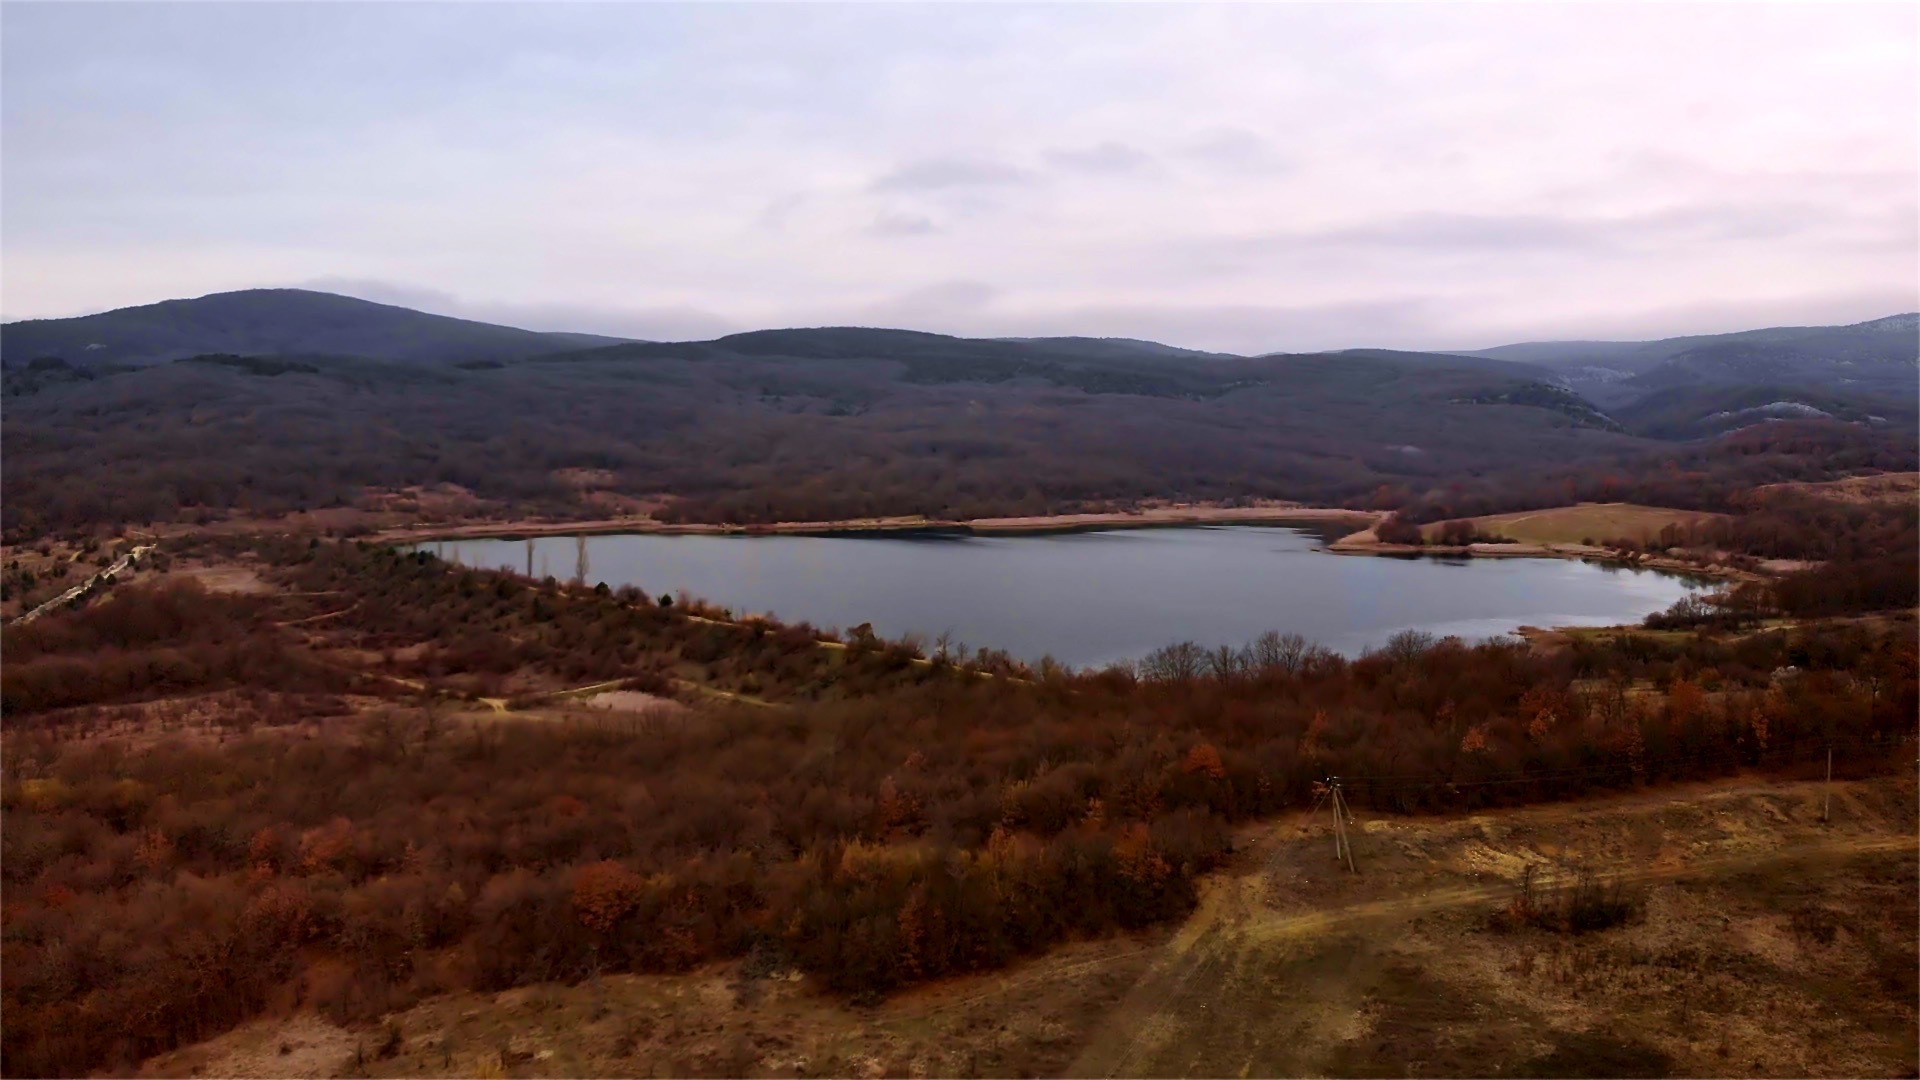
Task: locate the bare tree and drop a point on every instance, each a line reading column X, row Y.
column 1180, row 662
column 1274, row 652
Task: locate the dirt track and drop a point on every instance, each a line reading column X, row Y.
column 1295, row 967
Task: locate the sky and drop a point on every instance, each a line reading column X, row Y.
column 1248, row 178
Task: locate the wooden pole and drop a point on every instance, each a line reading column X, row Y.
column 1826, row 812
column 1342, row 810
column 1333, row 805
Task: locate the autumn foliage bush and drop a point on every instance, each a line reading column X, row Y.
column 937, row 823
column 173, row 639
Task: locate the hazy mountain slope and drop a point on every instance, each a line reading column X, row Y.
column 1119, row 348
column 1470, row 361
column 1894, row 338
column 273, row 322
column 1869, row 360
column 1700, row 411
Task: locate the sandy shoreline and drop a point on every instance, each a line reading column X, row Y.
column 1147, row 518
column 1364, row 544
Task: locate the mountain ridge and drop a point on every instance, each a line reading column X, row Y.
column 274, row 322
column 1668, row 387
column 25, row 339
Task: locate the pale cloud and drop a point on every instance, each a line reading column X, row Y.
column 1104, row 157
column 904, row 225
column 1243, row 177
column 645, row 323
column 937, row 303
column 1234, row 149
column 937, row 174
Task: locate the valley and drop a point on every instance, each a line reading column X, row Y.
column 916, row 540
column 857, row 701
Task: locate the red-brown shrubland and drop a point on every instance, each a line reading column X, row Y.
column 894, row 821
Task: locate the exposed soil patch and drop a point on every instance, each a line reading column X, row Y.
column 630, row 701
column 1295, row 967
column 227, row 578
column 305, row 1045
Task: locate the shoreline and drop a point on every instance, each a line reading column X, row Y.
column 1357, row 542
column 1158, row 517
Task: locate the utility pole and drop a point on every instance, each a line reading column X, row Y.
column 1333, row 805
column 1826, row 811
column 580, row 559
column 1346, row 815
column 1342, row 848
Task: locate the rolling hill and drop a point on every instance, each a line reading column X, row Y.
column 1895, row 337
column 257, row 322
column 1873, row 357
column 1692, row 387
column 814, row 424
column 275, row 400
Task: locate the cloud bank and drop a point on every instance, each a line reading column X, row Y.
column 1248, row 177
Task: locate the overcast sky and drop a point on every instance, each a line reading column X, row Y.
column 1248, row 178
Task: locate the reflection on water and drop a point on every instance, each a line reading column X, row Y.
column 1093, row 597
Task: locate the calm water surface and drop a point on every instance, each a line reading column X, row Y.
column 1090, row 598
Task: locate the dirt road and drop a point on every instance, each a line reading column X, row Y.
column 1295, row 967
column 117, row 566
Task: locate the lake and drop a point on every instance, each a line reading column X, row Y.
column 1090, row 598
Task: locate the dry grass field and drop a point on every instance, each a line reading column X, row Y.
column 1764, row 945
column 1879, row 487
column 1761, row 942
column 1586, row 523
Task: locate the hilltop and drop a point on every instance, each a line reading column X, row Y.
column 274, row 322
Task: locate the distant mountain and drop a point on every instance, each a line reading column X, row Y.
column 257, row 322
column 278, row 400
column 1704, row 384
column 1119, row 348
column 773, row 425
column 1883, row 351
column 1704, row 411
column 1896, row 337
column 1683, row 387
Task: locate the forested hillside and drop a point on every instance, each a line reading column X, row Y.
column 272, row 322
column 793, row 425
column 300, row 401
column 1868, row 368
